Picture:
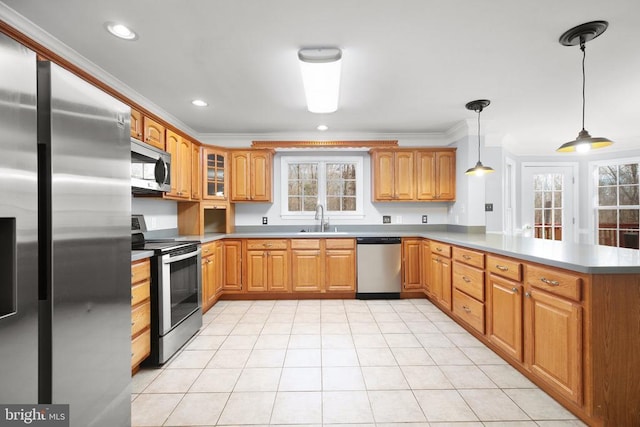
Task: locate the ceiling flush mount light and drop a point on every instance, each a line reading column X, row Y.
column 320, row 69
column 199, row 103
column 322, row 127
column 479, row 169
column 579, row 36
column 121, row 31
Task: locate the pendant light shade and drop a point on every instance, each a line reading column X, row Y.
column 579, row 36
column 479, row 169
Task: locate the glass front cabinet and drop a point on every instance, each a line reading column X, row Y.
column 215, row 177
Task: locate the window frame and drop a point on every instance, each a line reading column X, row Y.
column 321, row 161
column 593, row 192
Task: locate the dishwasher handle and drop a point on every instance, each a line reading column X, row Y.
column 378, row 240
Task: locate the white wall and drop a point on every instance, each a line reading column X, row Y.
column 158, row 214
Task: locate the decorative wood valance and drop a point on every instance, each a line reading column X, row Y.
column 323, row 144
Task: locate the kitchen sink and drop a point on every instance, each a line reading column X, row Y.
column 322, row 233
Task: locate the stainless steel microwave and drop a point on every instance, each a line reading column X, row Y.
column 150, row 169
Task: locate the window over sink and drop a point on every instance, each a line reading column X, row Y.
column 334, row 182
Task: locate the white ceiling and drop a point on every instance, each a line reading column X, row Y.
column 409, row 66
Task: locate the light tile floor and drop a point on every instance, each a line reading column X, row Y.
column 320, row 362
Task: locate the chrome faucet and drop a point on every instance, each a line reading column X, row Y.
column 319, row 205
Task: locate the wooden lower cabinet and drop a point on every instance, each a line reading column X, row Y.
column 140, row 312
column 307, row 265
column 267, row 270
column 553, row 339
column 340, row 265
column 440, row 282
column 212, row 273
column 504, row 317
column 411, row 270
column 232, row 266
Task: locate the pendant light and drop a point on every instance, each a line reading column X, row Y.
column 479, row 169
column 579, row 36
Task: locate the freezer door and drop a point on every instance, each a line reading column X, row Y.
column 18, row 225
column 91, row 250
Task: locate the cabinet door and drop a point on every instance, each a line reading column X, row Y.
column 278, row 271
column 554, row 342
column 446, row 175
column 404, row 176
column 153, row 133
column 426, row 175
column 306, row 270
column 256, row 265
column 232, row 265
column 214, row 174
column 445, row 277
column 260, row 176
column 411, row 279
column 136, row 124
column 426, row 266
column 435, row 274
column 340, row 270
column 196, row 172
column 184, row 168
column 172, row 147
column 504, row 320
column 219, row 266
column 240, row 181
column 383, row 170
column 208, row 283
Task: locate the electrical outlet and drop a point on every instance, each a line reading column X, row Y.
column 386, row 219
column 488, row 207
column 265, row 220
column 424, row 219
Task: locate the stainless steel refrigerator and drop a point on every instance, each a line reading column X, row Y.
column 65, row 287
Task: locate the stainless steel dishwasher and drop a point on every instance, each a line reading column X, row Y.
column 379, row 267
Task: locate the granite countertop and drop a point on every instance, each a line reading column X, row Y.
column 138, row 255
column 583, row 258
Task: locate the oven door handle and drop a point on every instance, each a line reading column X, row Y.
column 169, row 260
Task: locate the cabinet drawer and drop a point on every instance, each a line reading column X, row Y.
column 267, row 244
column 140, row 348
column 208, row 249
column 140, row 317
column 469, row 280
column 469, row 310
column 140, row 270
column 340, row 243
column 305, row 244
column 440, row 249
column 504, row 267
column 140, row 292
column 467, row 256
column 554, row 281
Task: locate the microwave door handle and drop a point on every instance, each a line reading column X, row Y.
column 181, row 257
column 166, row 172
column 161, row 171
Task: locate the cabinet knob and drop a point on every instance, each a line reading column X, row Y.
column 515, row 290
column 527, row 295
column 467, row 309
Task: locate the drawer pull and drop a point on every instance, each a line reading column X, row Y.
column 466, row 279
column 549, row 282
column 467, row 257
column 439, row 249
column 502, row 267
column 467, row 309
column 133, row 323
column 515, row 290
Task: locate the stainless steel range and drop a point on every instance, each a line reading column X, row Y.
column 176, row 303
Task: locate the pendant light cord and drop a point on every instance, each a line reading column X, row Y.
column 480, row 111
column 584, row 55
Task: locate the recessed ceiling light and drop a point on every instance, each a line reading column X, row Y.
column 322, row 127
column 121, row 31
column 199, row 103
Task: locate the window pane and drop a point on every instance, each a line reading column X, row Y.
column 557, row 199
column 310, row 188
column 628, row 195
column 629, row 174
column 547, row 216
column 294, row 204
column 537, row 199
column 548, row 182
column 629, row 218
column 607, row 218
column 294, row 172
column 350, row 188
column 310, row 204
column 334, row 188
column 333, row 203
column 629, row 239
column 538, row 182
column 607, row 196
column 294, row 188
column 607, row 237
column 547, row 200
column 349, row 172
column 607, row 175
column 349, row 204
column 557, row 182
column 538, row 216
column 557, row 216
column 334, row 171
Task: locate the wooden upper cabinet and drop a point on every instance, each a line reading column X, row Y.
column 413, row 175
column 180, row 150
column 214, row 179
column 196, row 172
column 251, row 175
column 153, row 133
column 136, row 124
column 393, row 175
column 436, row 175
